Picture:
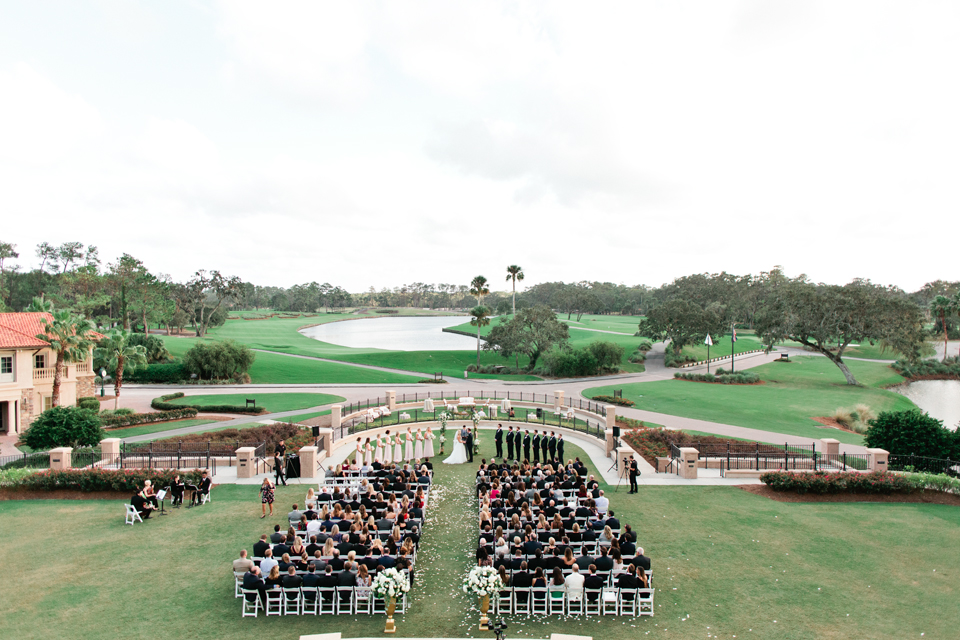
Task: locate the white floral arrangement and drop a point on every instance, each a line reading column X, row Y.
column 443, row 417
column 390, row 584
column 476, row 420
column 482, row 581
column 442, row 439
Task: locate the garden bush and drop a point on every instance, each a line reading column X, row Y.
column 726, row 378
column 645, row 346
column 295, row 435
column 929, row 369
column 9, row 477
column 161, row 373
column 88, row 402
column 218, row 360
column 64, row 427
column 637, row 357
column 609, row 355
column 671, row 359
column 614, row 400
column 431, row 381
column 131, row 419
column 912, row 432
column 821, row 482
column 570, row 363
column 98, row 479
column 156, row 350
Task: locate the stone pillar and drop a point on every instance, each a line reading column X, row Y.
column 611, row 442
column 110, row 451
column 308, row 462
column 878, row 459
column 60, row 458
column 327, row 435
column 611, row 416
column 557, row 400
column 688, row 463
column 11, row 418
column 246, row 465
column 336, row 411
column 830, row 447
column 623, row 452
column 392, row 400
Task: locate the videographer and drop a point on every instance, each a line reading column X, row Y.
column 634, row 470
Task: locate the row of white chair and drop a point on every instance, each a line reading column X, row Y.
column 547, row 601
column 316, row 601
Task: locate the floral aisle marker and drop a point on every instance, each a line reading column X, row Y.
column 483, row 582
column 443, row 418
column 390, row 585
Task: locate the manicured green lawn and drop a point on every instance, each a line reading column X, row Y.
column 721, row 347
column 726, row 563
column 274, row 402
column 144, row 429
column 792, row 393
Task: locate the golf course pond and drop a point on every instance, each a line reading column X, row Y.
column 939, row 398
column 421, row 333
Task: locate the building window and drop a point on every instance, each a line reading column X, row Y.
column 6, row 365
column 47, row 402
column 40, row 361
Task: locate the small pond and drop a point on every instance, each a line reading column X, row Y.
column 422, row 333
column 939, row 398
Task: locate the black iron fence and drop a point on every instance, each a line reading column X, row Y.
column 166, row 461
column 924, row 464
column 759, row 456
column 35, row 460
column 220, row 449
column 90, row 457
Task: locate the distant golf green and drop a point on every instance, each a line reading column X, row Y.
column 273, row 402
column 791, row 395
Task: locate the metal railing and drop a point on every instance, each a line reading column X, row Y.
column 220, row 449
column 81, row 458
column 162, row 461
column 35, row 460
column 897, row 462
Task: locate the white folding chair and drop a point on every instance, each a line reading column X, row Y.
column 206, row 497
column 309, row 601
column 379, row 605
column 251, row 603
column 539, row 597
column 609, row 600
column 132, row 515
column 274, row 604
column 504, row 601
column 237, row 583
column 522, row 600
column 557, row 600
column 327, row 598
column 291, row 602
column 627, row 603
column 574, row 601
column 362, row 600
column 645, row 602
column 344, row 600
column 592, row 601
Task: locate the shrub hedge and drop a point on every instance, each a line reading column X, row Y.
column 671, row 359
column 161, row 404
column 160, row 373
column 612, row 400
column 950, row 369
column 115, row 421
column 88, row 402
column 294, row 435
column 99, row 479
column 725, row 378
column 820, row 482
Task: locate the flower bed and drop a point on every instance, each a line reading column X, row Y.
column 652, row 443
column 613, row 400
column 841, row 482
column 129, row 420
column 723, row 378
column 100, row 479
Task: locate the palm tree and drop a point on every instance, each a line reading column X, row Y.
column 116, row 351
column 480, row 318
column 942, row 306
column 69, row 337
column 478, row 287
column 514, row 272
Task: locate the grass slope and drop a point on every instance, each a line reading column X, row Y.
column 725, row 563
column 144, row 429
column 273, row 402
column 792, row 394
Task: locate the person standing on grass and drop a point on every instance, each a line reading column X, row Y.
column 266, row 497
column 278, row 469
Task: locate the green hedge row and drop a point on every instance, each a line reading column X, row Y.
column 929, row 368
column 132, row 419
column 160, row 373
column 724, row 378
column 161, row 404
column 840, row 482
column 100, row 479
column 614, row 400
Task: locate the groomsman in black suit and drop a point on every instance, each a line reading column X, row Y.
column 544, row 442
column 536, row 446
column 526, row 444
column 553, row 445
column 560, row 448
column 510, row 435
column 498, row 439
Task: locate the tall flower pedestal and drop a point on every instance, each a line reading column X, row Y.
column 484, row 608
column 391, row 607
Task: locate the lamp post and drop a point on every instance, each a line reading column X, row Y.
column 709, row 343
column 103, row 374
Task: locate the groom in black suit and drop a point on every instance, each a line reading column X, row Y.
column 498, row 439
column 510, row 436
column 468, row 441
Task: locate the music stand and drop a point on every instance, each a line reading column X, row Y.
column 160, row 496
column 193, row 496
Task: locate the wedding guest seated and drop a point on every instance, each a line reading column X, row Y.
column 629, row 580
column 253, row 581
column 268, row 562
column 312, row 579
column 143, row 507
column 294, row 516
column 243, row 563
column 274, row 580
column 292, row 580
column 277, row 535
column 593, row 581
column 641, row 561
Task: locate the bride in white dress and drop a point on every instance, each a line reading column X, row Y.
column 459, row 455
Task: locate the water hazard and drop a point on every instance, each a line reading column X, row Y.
column 939, row 398
column 423, row 333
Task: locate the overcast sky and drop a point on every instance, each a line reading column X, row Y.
column 391, row 142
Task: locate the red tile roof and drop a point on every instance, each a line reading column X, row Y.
column 21, row 329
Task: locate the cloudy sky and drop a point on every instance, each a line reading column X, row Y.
column 389, row 142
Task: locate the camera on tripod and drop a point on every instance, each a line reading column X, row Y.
column 500, row 628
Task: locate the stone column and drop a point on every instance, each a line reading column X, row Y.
column 624, row 452
column 110, row 451
column 11, row 417
column 830, row 447
column 878, row 459
column 246, row 466
column 308, row 462
column 327, row 435
column 60, row 458
column 336, row 411
column 557, row 400
column 392, row 400
column 688, row 463
column 610, row 442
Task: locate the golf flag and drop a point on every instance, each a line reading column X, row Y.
column 708, row 341
column 733, row 336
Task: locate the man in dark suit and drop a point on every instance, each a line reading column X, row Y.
column 521, row 579
column 536, row 446
column 628, row 580
column 526, row 445
column 498, row 439
column 347, row 578
column 553, row 445
column 641, row 561
column 634, row 471
column 593, row 581
column 279, row 470
column 252, row 581
column 292, row 580
column 560, row 448
column 312, row 579
column 544, row 443
column 585, row 562
column 604, row 562
column 326, row 581
column 510, row 435
column 260, row 546
column 468, row 442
